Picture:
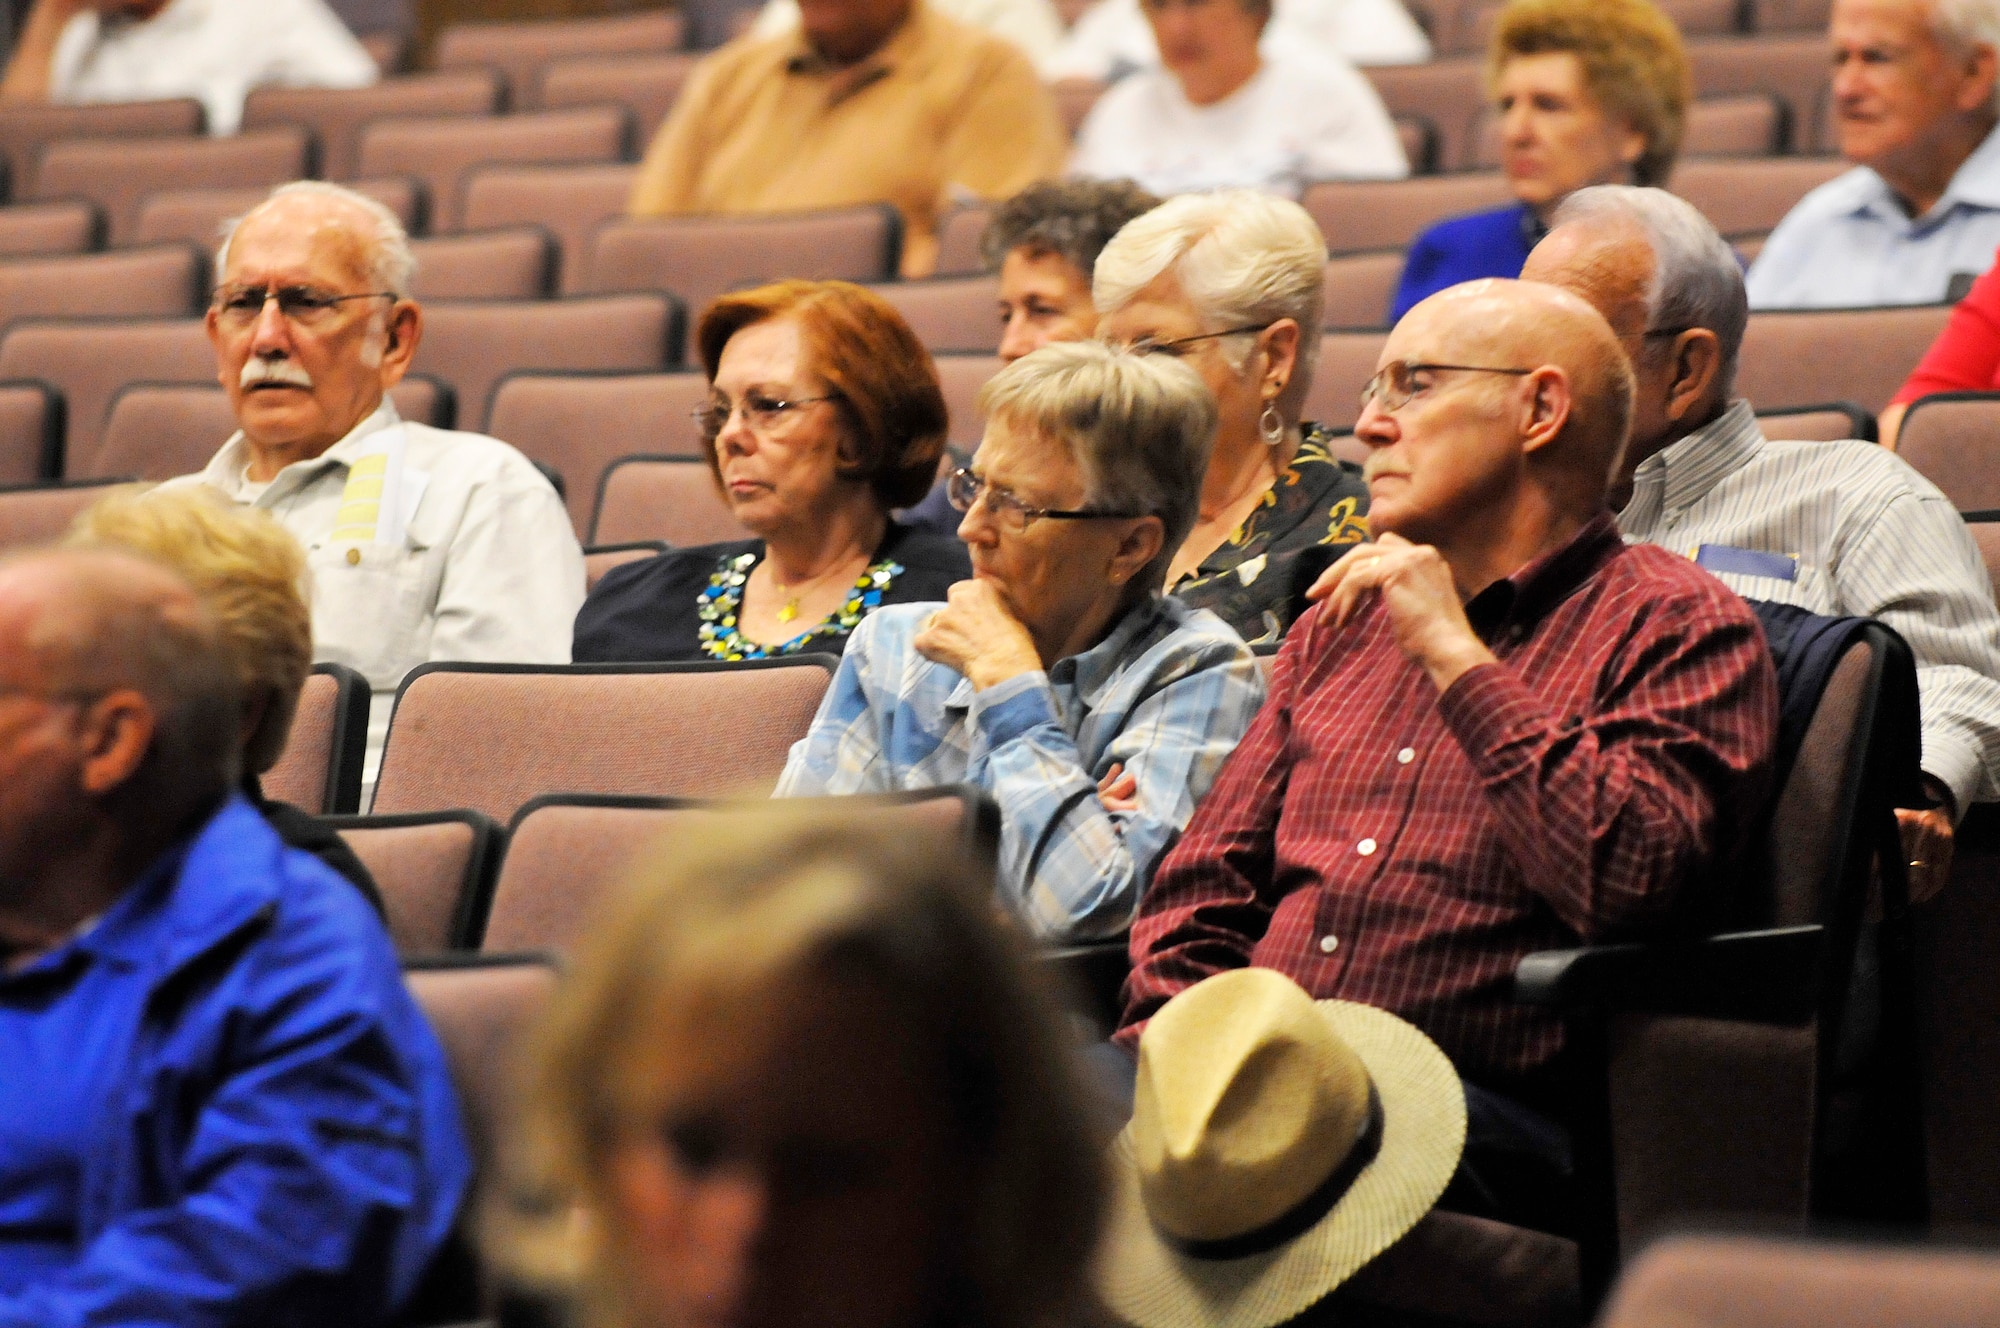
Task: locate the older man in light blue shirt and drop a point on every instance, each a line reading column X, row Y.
column 1914, row 95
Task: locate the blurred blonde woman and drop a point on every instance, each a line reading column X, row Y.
column 798, row 1075
column 251, row 573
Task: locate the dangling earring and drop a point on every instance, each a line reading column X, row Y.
column 1271, row 424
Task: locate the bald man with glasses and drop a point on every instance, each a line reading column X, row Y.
column 1501, row 730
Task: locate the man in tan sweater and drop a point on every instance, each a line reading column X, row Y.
column 866, row 101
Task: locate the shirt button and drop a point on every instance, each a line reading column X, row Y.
column 1365, row 848
column 353, row 557
column 1328, row 944
column 1407, row 755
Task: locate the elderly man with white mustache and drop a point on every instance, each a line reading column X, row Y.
column 424, row 544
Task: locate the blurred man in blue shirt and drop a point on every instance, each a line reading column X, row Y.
column 1914, row 101
column 219, row 1104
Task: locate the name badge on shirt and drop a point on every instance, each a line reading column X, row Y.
column 1746, row 562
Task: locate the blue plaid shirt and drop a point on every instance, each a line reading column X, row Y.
column 1168, row 694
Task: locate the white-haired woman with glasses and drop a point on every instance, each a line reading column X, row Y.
column 1094, row 709
column 1230, row 285
column 824, row 414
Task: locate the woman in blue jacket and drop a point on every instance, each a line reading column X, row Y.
column 1586, row 92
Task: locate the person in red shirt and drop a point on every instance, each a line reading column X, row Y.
column 1964, row 358
column 1502, row 730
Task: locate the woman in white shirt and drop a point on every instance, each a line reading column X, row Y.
column 1219, row 113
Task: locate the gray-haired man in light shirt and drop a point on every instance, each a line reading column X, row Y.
column 1915, row 101
column 424, row 544
column 1835, row 528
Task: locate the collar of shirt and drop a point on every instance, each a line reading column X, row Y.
column 154, row 922
column 843, row 82
column 1975, row 184
column 1689, row 468
column 1519, row 601
column 227, row 470
column 1091, row 672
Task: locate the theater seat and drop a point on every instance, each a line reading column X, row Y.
column 320, row 767
column 435, row 871
column 1820, row 424
column 949, row 314
column 698, row 258
column 570, row 202
column 961, row 377
column 1358, row 288
column 667, row 498
column 1388, row 214
column 1953, row 439
column 471, row 345
column 197, row 215
column 599, row 559
column 514, row 263
column 959, row 234
column 161, row 281
column 1799, row 357
column 38, row 514
column 1747, row 1281
column 26, row 130
column 117, row 173
column 68, row 226
column 579, row 424
column 87, row 361
column 520, row 50
column 442, row 151
column 1346, row 363
column 337, row 116
column 1751, row 196
column 646, row 85
column 31, row 432
column 492, row 736
column 565, row 853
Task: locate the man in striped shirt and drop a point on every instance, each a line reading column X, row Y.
column 1503, row 730
column 1837, row 528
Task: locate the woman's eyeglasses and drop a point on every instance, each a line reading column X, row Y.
column 762, row 413
column 965, row 489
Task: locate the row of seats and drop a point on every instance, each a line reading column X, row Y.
column 535, row 230
column 578, row 383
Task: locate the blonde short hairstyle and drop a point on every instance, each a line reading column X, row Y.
column 729, row 914
column 1634, row 65
column 1243, row 257
column 1138, row 426
column 246, row 568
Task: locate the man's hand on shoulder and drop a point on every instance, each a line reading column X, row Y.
column 977, row 633
column 1418, row 593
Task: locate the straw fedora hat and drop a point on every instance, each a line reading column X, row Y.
column 1277, row 1144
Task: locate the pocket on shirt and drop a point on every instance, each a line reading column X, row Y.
column 368, row 609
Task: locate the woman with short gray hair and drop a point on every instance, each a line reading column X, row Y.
column 1230, row 285
column 1094, row 709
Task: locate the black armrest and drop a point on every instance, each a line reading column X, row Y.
column 1093, row 972
column 1762, row 976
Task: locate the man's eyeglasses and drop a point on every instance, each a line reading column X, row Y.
column 965, row 489
column 1175, row 348
column 302, row 306
column 1398, row 381
column 762, row 413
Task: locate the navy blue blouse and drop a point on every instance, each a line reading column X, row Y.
column 1480, row 244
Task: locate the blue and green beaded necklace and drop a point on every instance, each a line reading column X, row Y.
column 719, row 603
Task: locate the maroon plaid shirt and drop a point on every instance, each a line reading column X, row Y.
column 1380, row 843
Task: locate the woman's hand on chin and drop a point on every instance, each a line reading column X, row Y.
column 977, row 633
